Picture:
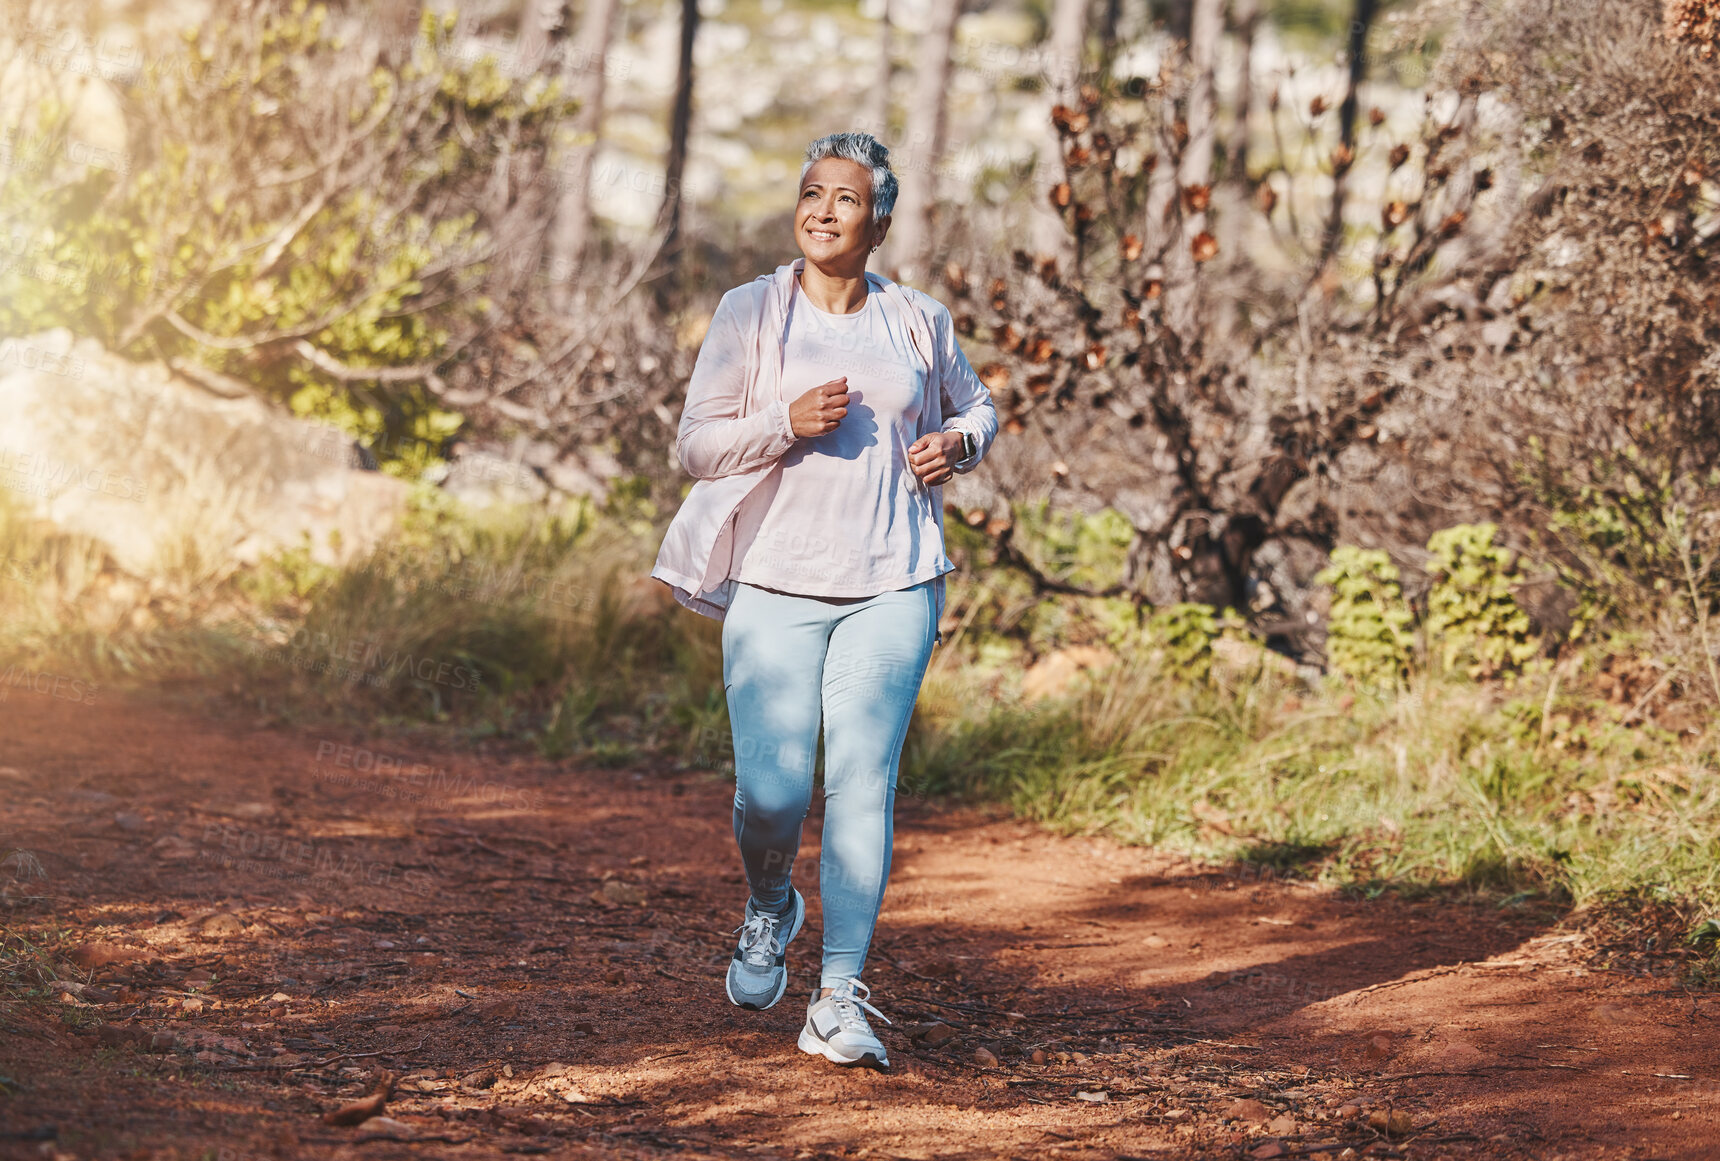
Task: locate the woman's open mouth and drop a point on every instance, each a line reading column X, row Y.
column 821, row 235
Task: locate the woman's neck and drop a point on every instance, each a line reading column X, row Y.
column 833, row 293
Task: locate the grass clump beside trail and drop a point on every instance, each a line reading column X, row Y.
column 1443, row 784
column 1185, row 735
column 527, row 623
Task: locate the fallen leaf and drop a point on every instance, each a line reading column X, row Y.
column 1098, row 1097
column 91, row 956
column 115, row 1035
column 483, row 1078
column 360, row 1111
column 1396, row 1122
column 385, row 1129
column 221, row 925
column 171, row 848
column 622, row 892
column 1249, row 1110
column 933, row 1035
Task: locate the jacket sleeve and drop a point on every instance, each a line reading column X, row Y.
column 715, row 437
column 967, row 402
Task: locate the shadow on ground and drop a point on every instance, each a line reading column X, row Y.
column 250, row 924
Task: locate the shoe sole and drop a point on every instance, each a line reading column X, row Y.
column 812, row 1045
column 782, row 988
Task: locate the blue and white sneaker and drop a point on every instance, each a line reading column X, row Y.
column 757, row 977
column 836, row 1027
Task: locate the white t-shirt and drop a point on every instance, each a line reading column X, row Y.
column 848, row 517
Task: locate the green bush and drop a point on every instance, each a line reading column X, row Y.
column 1473, row 621
column 1369, row 638
column 333, row 278
column 1187, row 632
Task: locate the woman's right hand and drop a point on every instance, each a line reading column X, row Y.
column 819, row 410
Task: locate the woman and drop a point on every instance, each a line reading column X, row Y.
column 825, row 411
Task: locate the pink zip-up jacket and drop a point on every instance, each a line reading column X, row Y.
column 735, row 427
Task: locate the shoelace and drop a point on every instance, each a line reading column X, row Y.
column 758, row 940
column 848, row 1004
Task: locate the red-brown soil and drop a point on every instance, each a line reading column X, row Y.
column 535, row 951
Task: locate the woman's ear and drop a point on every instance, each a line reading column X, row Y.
column 879, row 230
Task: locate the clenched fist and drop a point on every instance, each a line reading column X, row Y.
column 819, row 410
column 933, row 456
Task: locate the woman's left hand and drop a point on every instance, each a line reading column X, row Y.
column 933, row 456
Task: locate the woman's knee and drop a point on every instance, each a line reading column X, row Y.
column 861, row 786
column 773, row 807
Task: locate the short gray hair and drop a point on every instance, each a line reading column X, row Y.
column 868, row 151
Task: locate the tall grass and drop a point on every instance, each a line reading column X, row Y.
column 542, row 627
column 1453, row 785
column 522, row 622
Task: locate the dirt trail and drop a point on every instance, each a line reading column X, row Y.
column 536, row 952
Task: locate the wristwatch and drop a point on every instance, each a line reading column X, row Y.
column 969, row 447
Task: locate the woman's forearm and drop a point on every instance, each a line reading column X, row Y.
column 968, row 400
column 709, row 447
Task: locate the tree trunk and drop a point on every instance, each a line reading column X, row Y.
column 1108, row 21
column 1194, row 169
column 1246, row 14
column 1179, row 19
column 928, row 119
column 875, row 116
column 540, row 22
column 1051, row 238
column 680, row 126
column 1358, row 54
column 582, row 72
column 396, row 28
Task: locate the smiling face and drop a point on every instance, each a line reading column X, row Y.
column 833, row 221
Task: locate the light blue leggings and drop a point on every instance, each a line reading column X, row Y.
column 784, row 658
